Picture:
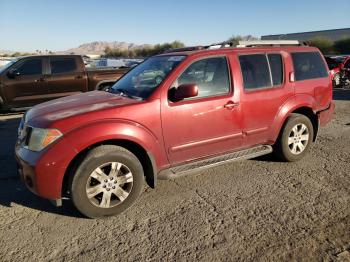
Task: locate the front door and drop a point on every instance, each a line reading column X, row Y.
column 205, row 125
column 29, row 87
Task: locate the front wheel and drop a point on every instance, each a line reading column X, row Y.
column 107, row 182
column 295, row 138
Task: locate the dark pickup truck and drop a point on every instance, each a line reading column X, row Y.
column 27, row 81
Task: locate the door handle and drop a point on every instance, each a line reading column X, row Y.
column 79, row 77
column 41, row 79
column 231, row 105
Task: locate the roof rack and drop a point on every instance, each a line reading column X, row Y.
column 184, row 49
column 252, row 43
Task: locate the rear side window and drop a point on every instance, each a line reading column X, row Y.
column 31, row 67
column 62, row 65
column 308, row 65
column 258, row 69
column 276, row 65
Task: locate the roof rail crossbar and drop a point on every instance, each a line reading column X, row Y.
column 269, row 43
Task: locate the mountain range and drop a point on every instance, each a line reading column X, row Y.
column 98, row 47
column 93, row 48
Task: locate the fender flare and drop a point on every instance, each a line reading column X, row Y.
column 116, row 130
column 290, row 105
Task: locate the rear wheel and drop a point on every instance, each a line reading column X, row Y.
column 295, row 138
column 107, row 182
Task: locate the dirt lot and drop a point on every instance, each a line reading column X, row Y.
column 251, row 210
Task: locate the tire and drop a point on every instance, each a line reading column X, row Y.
column 122, row 186
column 295, row 138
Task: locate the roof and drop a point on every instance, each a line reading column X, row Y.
column 242, row 50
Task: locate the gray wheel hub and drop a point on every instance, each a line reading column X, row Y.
column 298, row 139
column 109, row 185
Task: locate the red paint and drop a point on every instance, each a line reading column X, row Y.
column 172, row 132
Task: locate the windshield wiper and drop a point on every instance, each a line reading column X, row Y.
column 126, row 93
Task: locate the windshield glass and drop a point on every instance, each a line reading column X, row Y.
column 4, row 67
column 144, row 78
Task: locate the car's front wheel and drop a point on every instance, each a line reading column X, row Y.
column 107, row 182
column 295, row 138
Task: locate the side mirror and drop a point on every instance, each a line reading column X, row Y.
column 185, row 91
column 13, row 73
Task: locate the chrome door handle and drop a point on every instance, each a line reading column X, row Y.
column 231, row 105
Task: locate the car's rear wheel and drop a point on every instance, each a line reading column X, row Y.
column 295, row 138
column 107, row 182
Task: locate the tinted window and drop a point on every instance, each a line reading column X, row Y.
column 62, row 65
column 31, row 67
column 210, row 75
column 276, row 67
column 332, row 63
column 308, row 65
column 255, row 71
column 347, row 64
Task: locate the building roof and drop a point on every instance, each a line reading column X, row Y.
column 333, row 34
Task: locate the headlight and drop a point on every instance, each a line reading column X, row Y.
column 41, row 138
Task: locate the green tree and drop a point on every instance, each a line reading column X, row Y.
column 236, row 38
column 342, row 46
column 142, row 52
column 324, row 44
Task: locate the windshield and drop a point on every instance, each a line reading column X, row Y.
column 4, row 67
column 142, row 80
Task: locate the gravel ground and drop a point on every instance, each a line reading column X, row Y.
column 251, row 210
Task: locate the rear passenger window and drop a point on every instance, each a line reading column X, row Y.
column 276, row 66
column 62, row 65
column 308, row 65
column 255, row 70
column 258, row 69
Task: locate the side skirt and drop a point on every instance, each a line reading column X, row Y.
column 195, row 167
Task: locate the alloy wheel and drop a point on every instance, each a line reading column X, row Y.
column 109, row 185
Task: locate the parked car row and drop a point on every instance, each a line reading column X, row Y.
column 339, row 68
column 174, row 114
column 31, row 80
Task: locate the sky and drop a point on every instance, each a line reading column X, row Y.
column 61, row 24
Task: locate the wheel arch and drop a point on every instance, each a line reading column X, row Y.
column 299, row 104
column 100, row 84
column 146, row 158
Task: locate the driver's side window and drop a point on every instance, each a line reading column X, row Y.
column 31, row 67
column 210, row 75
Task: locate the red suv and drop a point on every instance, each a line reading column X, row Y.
column 197, row 108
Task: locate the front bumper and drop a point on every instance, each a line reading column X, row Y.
column 43, row 172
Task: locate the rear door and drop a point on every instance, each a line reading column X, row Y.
column 264, row 91
column 30, row 86
column 66, row 76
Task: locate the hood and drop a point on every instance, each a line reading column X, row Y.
column 77, row 104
